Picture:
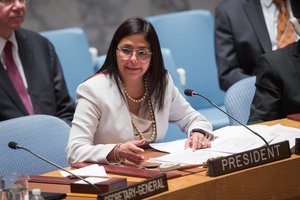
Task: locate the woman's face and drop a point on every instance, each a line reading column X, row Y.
column 133, row 57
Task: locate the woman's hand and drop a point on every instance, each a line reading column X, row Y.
column 130, row 151
column 197, row 141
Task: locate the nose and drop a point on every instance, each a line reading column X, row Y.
column 134, row 56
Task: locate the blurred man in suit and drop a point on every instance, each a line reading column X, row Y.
column 244, row 30
column 278, row 79
column 31, row 78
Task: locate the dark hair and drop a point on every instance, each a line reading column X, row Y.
column 156, row 74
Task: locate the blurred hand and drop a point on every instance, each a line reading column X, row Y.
column 197, row 141
column 130, row 151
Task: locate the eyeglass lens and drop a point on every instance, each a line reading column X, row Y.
column 142, row 54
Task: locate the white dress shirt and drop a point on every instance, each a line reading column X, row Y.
column 16, row 57
column 271, row 12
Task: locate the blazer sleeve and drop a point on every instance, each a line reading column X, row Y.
column 266, row 104
column 229, row 69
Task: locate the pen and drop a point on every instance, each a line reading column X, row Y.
column 82, row 195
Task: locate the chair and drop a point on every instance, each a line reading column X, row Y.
column 45, row 135
column 238, row 99
column 72, row 49
column 173, row 131
column 189, row 36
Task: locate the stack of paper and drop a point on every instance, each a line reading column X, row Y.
column 229, row 140
column 93, row 173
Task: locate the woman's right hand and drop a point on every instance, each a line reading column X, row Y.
column 130, row 151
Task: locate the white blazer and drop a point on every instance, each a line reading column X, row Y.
column 102, row 119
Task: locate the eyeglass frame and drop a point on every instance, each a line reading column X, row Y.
column 127, row 57
column 10, row 2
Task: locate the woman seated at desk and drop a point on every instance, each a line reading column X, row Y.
column 129, row 102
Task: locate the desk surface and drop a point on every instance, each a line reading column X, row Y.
column 277, row 180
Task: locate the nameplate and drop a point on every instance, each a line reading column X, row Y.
column 111, row 184
column 139, row 190
column 105, row 186
column 248, row 159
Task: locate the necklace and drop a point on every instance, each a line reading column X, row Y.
column 140, row 99
column 141, row 134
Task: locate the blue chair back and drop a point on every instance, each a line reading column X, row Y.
column 189, row 36
column 72, row 48
column 238, row 100
column 42, row 134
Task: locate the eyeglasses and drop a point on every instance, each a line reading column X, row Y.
column 9, row 2
column 142, row 54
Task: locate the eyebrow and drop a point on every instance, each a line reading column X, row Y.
column 138, row 47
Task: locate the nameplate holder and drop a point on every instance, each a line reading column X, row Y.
column 248, row 159
column 138, row 190
column 106, row 186
column 44, row 182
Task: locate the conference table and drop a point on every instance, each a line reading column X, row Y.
column 276, row 180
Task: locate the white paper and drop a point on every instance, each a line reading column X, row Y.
column 92, row 180
column 235, row 139
column 89, row 171
column 169, row 147
column 229, row 140
column 188, row 157
column 286, row 133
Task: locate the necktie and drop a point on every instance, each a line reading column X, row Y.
column 285, row 30
column 15, row 77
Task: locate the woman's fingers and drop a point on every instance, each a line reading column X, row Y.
column 197, row 141
column 131, row 152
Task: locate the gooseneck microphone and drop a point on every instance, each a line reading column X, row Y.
column 14, row 145
column 191, row 93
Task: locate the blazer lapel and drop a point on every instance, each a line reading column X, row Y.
column 258, row 23
column 26, row 56
column 296, row 58
column 8, row 87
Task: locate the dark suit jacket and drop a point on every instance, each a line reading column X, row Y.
column 46, row 84
column 277, row 85
column 241, row 36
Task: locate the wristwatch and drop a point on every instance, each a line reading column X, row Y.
column 206, row 134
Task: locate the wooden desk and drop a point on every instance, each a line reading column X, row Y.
column 277, row 180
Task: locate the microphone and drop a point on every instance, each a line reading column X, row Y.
column 246, row 159
column 14, row 145
column 191, row 93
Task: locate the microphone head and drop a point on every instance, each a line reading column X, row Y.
column 13, row 145
column 189, row 92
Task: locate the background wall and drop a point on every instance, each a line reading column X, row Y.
column 100, row 18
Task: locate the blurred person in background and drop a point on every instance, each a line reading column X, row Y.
column 31, row 77
column 246, row 29
column 278, row 79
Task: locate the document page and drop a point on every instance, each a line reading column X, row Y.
column 228, row 140
column 235, row 139
column 285, row 133
column 89, row 171
column 186, row 157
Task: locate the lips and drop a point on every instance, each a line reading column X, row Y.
column 132, row 68
column 17, row 19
